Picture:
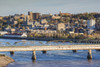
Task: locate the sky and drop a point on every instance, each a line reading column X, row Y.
column 11, row 7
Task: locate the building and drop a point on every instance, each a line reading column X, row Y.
column 61, row 26
column 44, row 21
column 98, row 26
column 33, row 16
column 56, row 17
column 27, row 20
column 12, row 30
column 46, row 16
column 27, row 23
column 46, row 26
column 15, row 22
column 30, row 16
column 67, row 14
column 22, row 15
column 91, row 24
column 36, row 16
column 1, row 17
column 17, row 16
column 71, row 30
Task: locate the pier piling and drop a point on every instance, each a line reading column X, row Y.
column 12, row 53
column 89, row 54
column 34, row 56
column 44, row 52
column 74, row 51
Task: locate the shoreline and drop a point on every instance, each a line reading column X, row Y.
column 53, row 39
column 5, row 60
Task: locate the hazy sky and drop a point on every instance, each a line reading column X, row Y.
column 9, row 7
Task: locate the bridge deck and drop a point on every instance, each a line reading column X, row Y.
column 47, row 48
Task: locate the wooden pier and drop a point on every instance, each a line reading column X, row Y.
column 74, row 48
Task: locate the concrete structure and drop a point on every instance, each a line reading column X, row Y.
column 36, row 16
column 61, row 26
column 98, row 25
column 89, row 54
column 46, row 25
column 11, row 49
column 34, row 55
column 27, row 22
column 1, row 17
column 15, row 22
column 56, row 17
column 12, row 30
column 67, row 14
column 91, row 24
column 46, row 16
column 33, row 16
column 30, row 16
column 44, row 21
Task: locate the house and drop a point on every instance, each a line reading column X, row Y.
column 56, row 17
column 44, row 21
column 1, row 17
column 61, row 26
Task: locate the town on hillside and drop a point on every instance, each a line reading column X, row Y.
column 62, row 25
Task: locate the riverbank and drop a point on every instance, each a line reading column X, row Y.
column 54, row 39
column 5, row 60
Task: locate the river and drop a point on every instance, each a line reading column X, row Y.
column 51, row 58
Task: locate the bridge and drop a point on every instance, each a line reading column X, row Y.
column 12, row 49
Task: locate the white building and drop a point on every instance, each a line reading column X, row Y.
column 46, row 25
column 44, row 21
column 61, row 26
column 91, row 24
column 24, row 35
column 3, row 32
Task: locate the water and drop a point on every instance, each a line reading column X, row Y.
column 51, row 58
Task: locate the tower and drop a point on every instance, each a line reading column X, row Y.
column 36, row 16
column 30, row 16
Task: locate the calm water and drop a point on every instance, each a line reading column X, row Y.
column 51, row 58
